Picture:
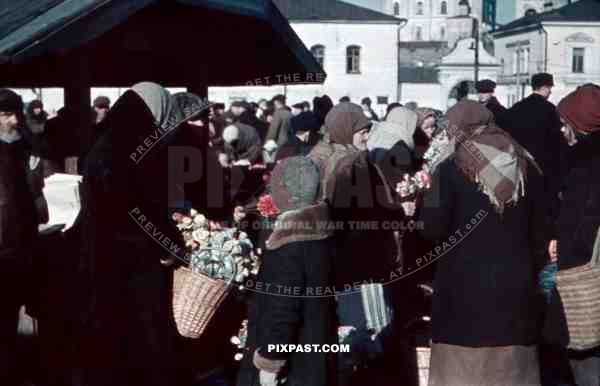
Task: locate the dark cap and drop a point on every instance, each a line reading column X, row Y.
column 306, row 121
column 299, row 105
column 36, row 104
column 102, row 102
column 485, row 86
column 10, row 101
column 366, row 101
column 542, row 79
column 219, row 106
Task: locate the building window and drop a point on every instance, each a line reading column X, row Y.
column 444, row 8
column 526, row 61
column 578, row 55
column 442, row 33
column 396, row 9
column 318, row 52
column 418, row 33
column 515, row 62
column 382, row 100
column 353, row 60
column 419, row 7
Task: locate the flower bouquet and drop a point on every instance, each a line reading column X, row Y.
column 218, row 256
column 437, row 151
column 412, row 185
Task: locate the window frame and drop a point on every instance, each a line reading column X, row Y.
column 353, row 59
column 578, row 67
column 320, row 59
column 444, row 8
column 419, row 9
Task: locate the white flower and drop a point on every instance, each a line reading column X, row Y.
column 193, row 212
column 228, row 245
column 238, row 356
column 201, row 235
column 243, row 236
column 235, row 340
column 200, row 220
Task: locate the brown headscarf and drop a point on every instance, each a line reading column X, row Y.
column 581, row 108
column 486, row 155
column 343, row 120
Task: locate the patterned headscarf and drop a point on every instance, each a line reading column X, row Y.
column 486, row 155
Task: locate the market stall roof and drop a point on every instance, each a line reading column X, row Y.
column 112, row 43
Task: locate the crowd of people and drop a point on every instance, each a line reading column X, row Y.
column 505, row 200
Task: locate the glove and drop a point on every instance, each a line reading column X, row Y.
column 267, row 379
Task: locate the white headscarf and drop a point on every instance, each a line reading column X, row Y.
column 158, row 100
column 400, row 125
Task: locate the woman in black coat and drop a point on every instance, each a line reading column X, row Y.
column 486, row 305
column 288, row 306
column 579, row 216
column 127, row 334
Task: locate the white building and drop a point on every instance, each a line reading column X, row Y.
column 564, row 42
column 357, row 47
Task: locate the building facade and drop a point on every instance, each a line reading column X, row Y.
column 564, row 42
column 357, row 48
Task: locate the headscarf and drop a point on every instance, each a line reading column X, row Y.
column 581, row 108
column 400, row 125
column 159, row 101
column 423, row 113
column 343, row 121
column 486, row 155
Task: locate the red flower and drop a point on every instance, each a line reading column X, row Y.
column 266, row 206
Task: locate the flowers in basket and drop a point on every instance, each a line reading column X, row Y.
column 266, row 207
column 411, row 185
column 239, row 340
column 220, row 252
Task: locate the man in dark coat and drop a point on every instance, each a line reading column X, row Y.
column 535, row 124
column 18, row 229
column 485, row 90
column 287, row 309
column 279, row 128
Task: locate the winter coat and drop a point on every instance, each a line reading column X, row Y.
column 362, row 203
column 486, row 275
column 535, row 124
column 18, row 217
column 498, row 110
column 280, row 127
column 294, row 263
column 577, row 224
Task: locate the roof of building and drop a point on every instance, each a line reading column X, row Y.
column 582, row 10
column 331, row 10
column 120, row 42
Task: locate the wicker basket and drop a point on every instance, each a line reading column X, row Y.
column 579, row 289
column 196, row 297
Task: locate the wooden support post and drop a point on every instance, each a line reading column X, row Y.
column 78, row 100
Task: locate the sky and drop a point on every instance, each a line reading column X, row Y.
column 504, row 13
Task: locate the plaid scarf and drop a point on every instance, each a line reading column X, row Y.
column 488, row 156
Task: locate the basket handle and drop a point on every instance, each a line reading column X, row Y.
column 595, row 260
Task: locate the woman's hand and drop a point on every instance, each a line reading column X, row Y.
column 553, row 250
column 410, row 207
